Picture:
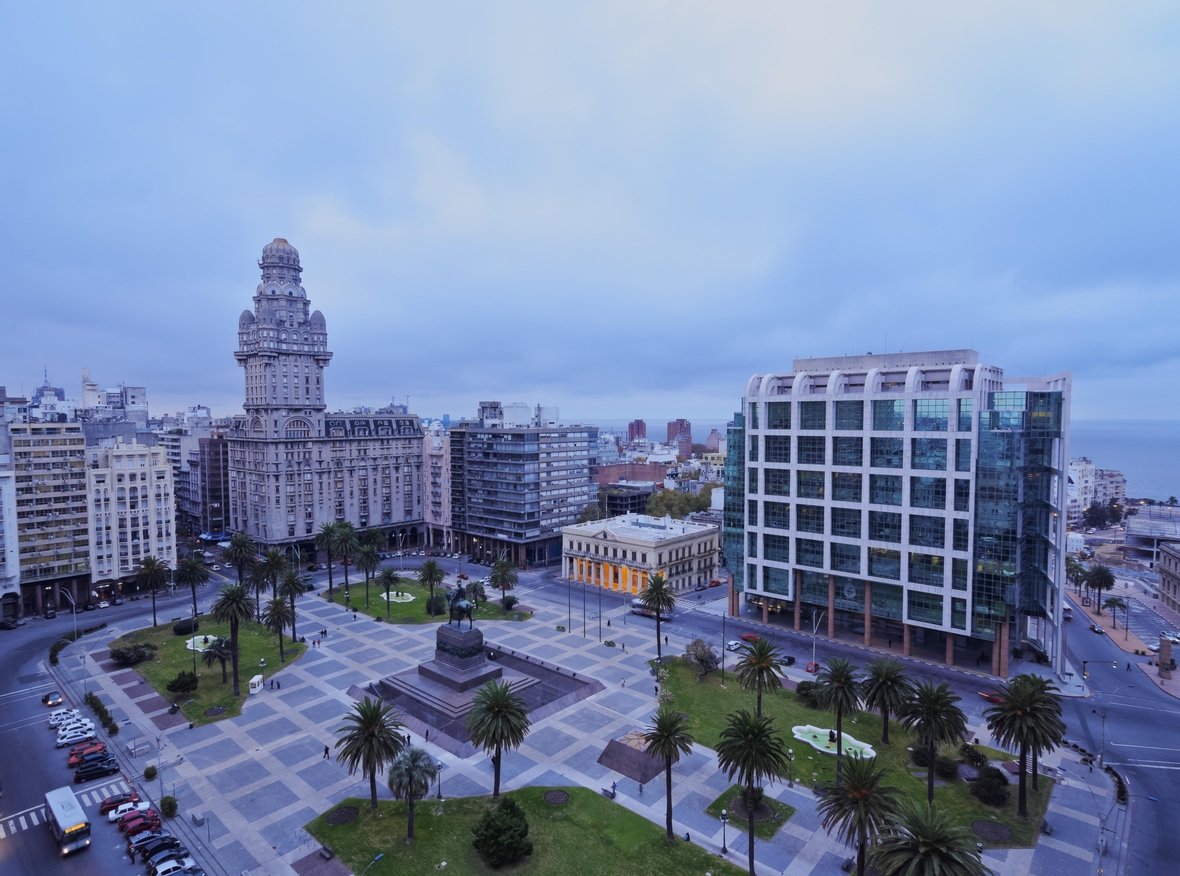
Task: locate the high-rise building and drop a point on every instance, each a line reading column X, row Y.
column 9, row 557
column 714, row 441
column 437, row 475
column 1080, row 489
column 209, row 485
column 636, row 430
column 916, row 499
column 293, row 465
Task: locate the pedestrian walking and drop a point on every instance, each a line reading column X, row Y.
column 641, row 789
column 280, row 685
column 1128, row 666
column 272, row 684
column 665, row 640
column 325, row 751
column 624, row 682
column 608, row 621
column 354, row 615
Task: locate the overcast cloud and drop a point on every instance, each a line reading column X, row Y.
column 620, row 209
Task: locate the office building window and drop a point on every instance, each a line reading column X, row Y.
column 809, row 518
column 752, row 544
column 848, row 451
column 931, row 414
column 928, row 493
column 887, row 601
column 752, row 574
column 778, row 448
column 778, row 415
column 886, row 452
column 778, row 482
column 962, row 454
column 885, row 489
column 811, row 450
column 846, row 522
column 962, row 540
column 962, row 495
column 926, row 569
column 959, row 613
column 776, row 580
column 925, row 608
column 889, row 415
column 850, row 415
column 752, row 508
column 958, row 574
column 928, row 454
column 753, row 487
column 885, row 526
column 846, row 486
column 809, row 484
column 813, row 415
column 753, row 415
column 884, row 563
column 777, row 515
column 846, row 558
column 777, row 547
column 809, row 553
column 753, row 448
column 927, row 531
column 965, row 406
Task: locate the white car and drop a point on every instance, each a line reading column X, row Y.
column 168, row 868
column 74, row 737
column 104, row 604
column 61, row 716
column 79, row 727
column 119, row 811
column 217, row 568
column 734, row 645
column 1154, row 647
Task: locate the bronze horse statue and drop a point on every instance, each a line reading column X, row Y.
column 460, row 607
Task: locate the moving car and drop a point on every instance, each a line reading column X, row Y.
column 750, row 637
column 217, row 568
column 1094, row 628
column 74, row 737
column 114, row 802
column 124, row 808
column 1154, row 647
column 714, row 583
column 733, row 645
column 991, row 696
column 98, row 770
column 53, row 698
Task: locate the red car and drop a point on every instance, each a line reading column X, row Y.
column 991, row 696
column 77, row 757
column 139, row 825
column 749, row 637
column 714, row 583
column 134, row 815
column 86, row 746
column 812, row 667
column 463, row 577
column 112, row 803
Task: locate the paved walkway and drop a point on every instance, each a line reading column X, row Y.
column 259, row 777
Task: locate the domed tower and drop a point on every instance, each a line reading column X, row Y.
column 283, row 350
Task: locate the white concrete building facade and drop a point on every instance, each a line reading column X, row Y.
column 622, row 553
column 9, row 556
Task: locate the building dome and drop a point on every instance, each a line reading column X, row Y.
column 245, row 320
column 318, row 323
column 279, row 252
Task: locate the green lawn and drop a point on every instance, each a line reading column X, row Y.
column 707, row 707
column 255, row 642
column 413, row 612
column 764, row 830
column 588, row 836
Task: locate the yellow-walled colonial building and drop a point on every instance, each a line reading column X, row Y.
column 621, row 553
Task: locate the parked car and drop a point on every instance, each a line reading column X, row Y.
column 90, row 606
column 53, row 698
column 74, row 737
column 155, row 861
column 142, row 826
column 148, row 838
column 152, row 846
column 104, row 604
column 87, row 748
column 75, row 724
column 50, row 614
column 1094, row 628
column 126, row 807
column 9, row 623
column 76, row 761
column 117, row 602
column 733, row 645
column 61, row 715
column 115, row 801
column 134, row 815
column 99, row 770
column 714, row 583
column 750, row 637
column 171, row 867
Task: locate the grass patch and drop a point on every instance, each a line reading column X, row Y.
column 589, row 836
column 413, row 612
column 764, row 830
column 255, row 642
column 708, row 706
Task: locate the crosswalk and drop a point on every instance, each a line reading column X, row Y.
column 35, row 816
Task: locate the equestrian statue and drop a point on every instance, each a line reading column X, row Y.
column 460, row 607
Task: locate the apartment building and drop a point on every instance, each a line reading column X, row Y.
column 436, row 452
column 914, row 501
column 9, row 553
column 622, row 553
column 1169, row 569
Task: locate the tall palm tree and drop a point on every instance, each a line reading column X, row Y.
column 885, row 688
column 367, row 561
column 290, row 589
column 410, row 776
column 431, row 575
column 475, row 593
column 189, row 573
column 859, row 808
column 272, row 568
column 759, row 669
column 932, row 714
column 347, row 544
column 504, row 578
column 325, row 540
column 277, row 614
column 498, row 719
column 1052, row 729
column 233, row 606
column 667, row 738
column 220, row 650
column 926, row 843
column 369, row 740
column 1100, row 578
column 659, row 598
column 387, row 578
column 152, row 574
column 839, row 691
column 751, row 751
column 1075, row 572
column 241, row 552
column 257, row 583
column 1025, row 718
column 1115, row 604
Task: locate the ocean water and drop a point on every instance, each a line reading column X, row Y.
column 1146, row 451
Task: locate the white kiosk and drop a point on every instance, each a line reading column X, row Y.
column 255, row 684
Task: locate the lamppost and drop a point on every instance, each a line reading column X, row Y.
column 791, row 765
column 372, row 862
column 262, row 666
column 440, row 766
column 723, row 651
column 815, row 621
column 1102, row 749
column 600, row 613
column 724, row 823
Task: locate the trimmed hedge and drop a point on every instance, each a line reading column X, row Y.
column 168, row 806
column 64, row 642
column 946, row 768
column 186, row 627
column 991, row 788
column 150, row 773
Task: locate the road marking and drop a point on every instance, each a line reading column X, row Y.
column 2, row 834
column 1129, row 745
column 33, row 817
column 23, row 826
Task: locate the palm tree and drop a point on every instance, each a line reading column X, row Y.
column 190, row 573
column 410, row 776
column 272, row 568
column 759, row 668
column 935, row 719
column 751, row 751
column 291, row 588
column 346, row 546
column 277, row 614
column 152, row 574
column 838, row 691
column 498, row 719
column 475, row 593
column 667, row 738
column 859, row 808
column 1100, row 578
column 1075, row 572
column 367, row 561
column 241, row 552
column 504, row 578
column 659, row 598
column 1115, row 604
column 431, row 575
column 325, row 540
column 387, row 578
column 234, row 605
column 1028, row 717
column 257, row 582
column 219, row 650
column 885, row 688
column 369, row 740
column 1053, row 730
column 924, row 842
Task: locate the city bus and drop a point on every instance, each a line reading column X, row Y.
column 637, row 607
column 66, row 819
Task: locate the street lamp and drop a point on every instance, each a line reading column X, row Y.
column 724, row 822
column 372, row 862
column 262, row 666
column 723, row 651
column 440, row 766
column 1102, row 750
column 815, row 621
column 791, row 764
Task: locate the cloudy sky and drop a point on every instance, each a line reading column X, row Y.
column 623, row 209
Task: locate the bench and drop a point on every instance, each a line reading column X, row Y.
column 326, row 852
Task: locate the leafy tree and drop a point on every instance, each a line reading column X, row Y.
column 759, row 668
column 752, row 752
column 1115, row 510
column 673, row 503
column 410, row 777
column 885, row 689
column 498, row 719
column 667, row 738
column 133, row 654
column 838, row 690
column 702, row 654
column 431, row 575
column 346, row 545
column 593, row 511
column 1098, row 579
column 934, row 716
column 152, row 575
column 1028, row 717
column 659, row 598
column 387, row 578
column 860, row 807
column 233, row 606
column 189, row 573
column 220, row 650
column 184, row 684
column 368, row 562
column 1097, row 515
column 325, row 540
column 241, row 552
column 925, row 842
column 291, row 588
column 501, row 836
column 276, row 616
column 369, row 740
column 504, row 577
